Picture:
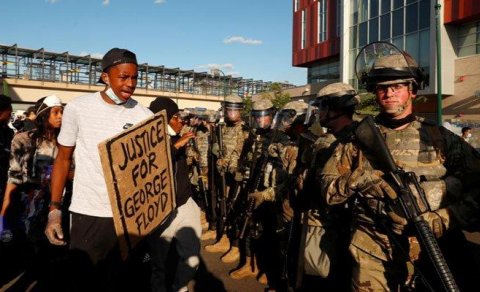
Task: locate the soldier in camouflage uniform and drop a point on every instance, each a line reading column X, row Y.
column 234, row 132
column 271, row 197
column 323, row 261
column 261, row 118
column 197, row 152
column 445, row 165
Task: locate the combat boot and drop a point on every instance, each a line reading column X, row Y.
column 223, row 245
column 203, row 220
column 249, row 269
column 263, row 279
column 231, row 256
column 209, row 234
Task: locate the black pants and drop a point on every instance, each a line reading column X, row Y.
column 94, row 254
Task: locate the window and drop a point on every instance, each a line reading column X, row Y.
column 304, row 30
column 363, row 10
column 424, row 9
column 373, row 8
column 397, row 22
column 354, row 15
column 362, row 34
column 326, row 71
column 468, row 39
column 411, row 45
column 385, row 6
column 373, row 30
column 424, row 43
column 322, row 20
column 385, row 27
column 412, row 14
column 296, row 5
column 397, row 4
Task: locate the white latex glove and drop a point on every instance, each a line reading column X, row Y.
column 54, row 231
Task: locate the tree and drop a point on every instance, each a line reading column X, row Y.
column 248, row 107
column 276, row 95
column 368, row 105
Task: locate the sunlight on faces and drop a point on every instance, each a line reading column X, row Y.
column 5, row 116
column 55, row 117
column 176, row 122
column 395, row 100
column 232, row 115
column 264, row 122
column 122, row 78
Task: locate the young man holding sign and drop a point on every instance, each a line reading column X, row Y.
column 183, row 227
column 87, row 121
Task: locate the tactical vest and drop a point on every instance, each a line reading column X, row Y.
column 418, row 148
column 201, row 139
column 231, row 136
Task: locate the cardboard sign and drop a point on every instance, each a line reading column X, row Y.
column 138, row 172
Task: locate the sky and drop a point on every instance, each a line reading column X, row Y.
column 246, row 38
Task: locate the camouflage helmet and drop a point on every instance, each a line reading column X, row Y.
column 262, row 105
column 381, row 63
column 299, row 106
column 212, row 116
column 233, row 102
column 337, row 95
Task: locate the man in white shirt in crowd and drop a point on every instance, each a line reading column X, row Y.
column 87, row 121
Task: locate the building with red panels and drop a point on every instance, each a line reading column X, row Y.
column 328, row 35
column 316, row 38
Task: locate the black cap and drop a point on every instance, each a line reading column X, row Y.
column 117, row 56
column 164, row 103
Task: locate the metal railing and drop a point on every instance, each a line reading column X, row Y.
column 41, row 65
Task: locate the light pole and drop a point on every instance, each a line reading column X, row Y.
column 439, row 63
column 217, row 72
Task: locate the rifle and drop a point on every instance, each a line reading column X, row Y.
column 222, row 193
column 196, row 165
column 254, row 182
column 371, row 141
column 244, row 168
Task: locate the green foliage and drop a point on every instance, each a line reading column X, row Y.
column 277, row 96
column 274, row 93
column 248, row 107
column 5, row 88
column 368, row 105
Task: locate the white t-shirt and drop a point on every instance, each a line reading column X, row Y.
column 87, row 121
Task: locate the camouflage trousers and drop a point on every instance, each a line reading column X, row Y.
column 373, row 274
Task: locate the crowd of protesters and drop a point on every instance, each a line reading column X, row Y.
column 296, row 207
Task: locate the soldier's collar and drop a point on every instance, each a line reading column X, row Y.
column 390, row 123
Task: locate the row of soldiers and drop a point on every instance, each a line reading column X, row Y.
column 307, row 198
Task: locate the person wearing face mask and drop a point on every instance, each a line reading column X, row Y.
column 183, row 228
column 466, row 133
column 447, row 168
column 87, row 121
